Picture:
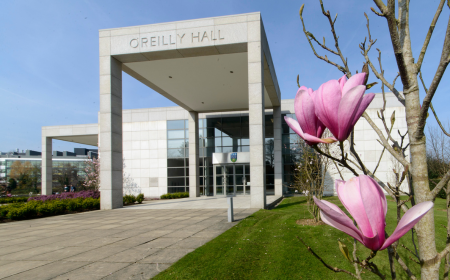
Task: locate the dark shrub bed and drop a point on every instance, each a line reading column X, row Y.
column 39, row 208
column 5, row 200
column 67, row 195
column 131, row 199
column 175, row 195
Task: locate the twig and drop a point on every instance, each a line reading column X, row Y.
column 334, row 269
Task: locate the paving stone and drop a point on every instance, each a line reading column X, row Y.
column 180, row 234
column 190, row 243
column 131, row 255
column 162, row 242
column 99, row 242
column 138, row 271
column 60, row 254
column 98, row 253
column 166, row 256
column 132, row 241
column 25, row 254
column 155, row 233
column 19, row 266
column 208, row 234
column 48, row 271
column 93, row 271
column 13, row 249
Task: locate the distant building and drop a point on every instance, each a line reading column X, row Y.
column 61, row 160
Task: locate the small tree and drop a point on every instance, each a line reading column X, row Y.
column 92, row 179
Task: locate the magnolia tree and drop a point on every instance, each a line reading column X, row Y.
column 338, row 104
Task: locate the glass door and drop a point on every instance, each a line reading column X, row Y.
column 230, row 185
column 232, row 179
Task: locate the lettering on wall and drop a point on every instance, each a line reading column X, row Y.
column 166, row 40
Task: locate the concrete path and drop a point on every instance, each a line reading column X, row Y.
column 135, row 242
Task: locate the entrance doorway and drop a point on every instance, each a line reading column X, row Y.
column 232, row 179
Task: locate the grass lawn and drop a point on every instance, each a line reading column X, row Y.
column 264, row 246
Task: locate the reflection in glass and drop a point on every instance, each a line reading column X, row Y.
column 175, row 153
column 174, row 134
column 178, row 124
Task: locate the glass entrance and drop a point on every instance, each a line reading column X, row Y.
column 232, row 179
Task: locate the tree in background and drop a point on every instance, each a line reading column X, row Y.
column 66, row 175
column 438, row 157
column 21, row 172
column 92, row 178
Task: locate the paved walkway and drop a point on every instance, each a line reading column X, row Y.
column 135, row 242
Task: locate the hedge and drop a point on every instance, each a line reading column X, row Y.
column 5, row 200
column 67, row 195
column 37, row 208
column 131, row 199
column 175, row 195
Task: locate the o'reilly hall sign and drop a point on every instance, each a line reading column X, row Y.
column 160, row 39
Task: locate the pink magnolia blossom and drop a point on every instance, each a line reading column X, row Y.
column 307, row 126
column 339, row 104
column 365, row 201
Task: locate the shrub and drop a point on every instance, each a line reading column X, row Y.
column 42, row 208
column 175, row 195
column 129, row 199
column 67, row 195
column 140, row 198
column 5, row 200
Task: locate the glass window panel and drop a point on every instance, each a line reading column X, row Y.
column 201, row 171
column 175, row 144
column 175, row 162
column 230, row 190
column 213, row 122
column 209, row 142
column 187, row 171
column 217, row 149
column 209, row 152
column 218, row 141
column 247, row 189
column 208, row 171
column 244, row 121
column 186, row 152
column 231, row 121
column 234, row 132
column 175, row 172
column 174, row 134
column 270, row 169
column 219, row 170
column 187, row 181
column 178, row 124
column 209, row 180
column 245, row 132
column 219, row 180
column 201, row 123
column 226, row 141
column 201, row 133
column 239, row 179
column 186, row 124
column 245, row 149
column 210, row 132
column 175, row 153
column 270, row 179
column 202, row 181
column 217, row 132
column 247, row 169
column 219, row 190
column 175, row 189
column 175, row 182
column 201, row 152
column 270, row 189
column 227, row 149
column 200, row 162
column 229, row 169
column 289, row 169
column 239, row 169
column 239, row 189
column 245, row 141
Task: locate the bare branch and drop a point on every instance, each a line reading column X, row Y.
column 445, row 59
column 440, row 185
column 385, row 142
column 334, row 269
column 428, row 37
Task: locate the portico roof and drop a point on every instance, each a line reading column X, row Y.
column 201, row 65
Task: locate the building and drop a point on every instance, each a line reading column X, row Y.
column 61, row 162
column 227, row 135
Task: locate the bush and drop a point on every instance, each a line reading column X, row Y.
column 140, row 198
column 67, row 195
column 175, row 195
column 129, row 199
column 42, row 208
column 5, row 200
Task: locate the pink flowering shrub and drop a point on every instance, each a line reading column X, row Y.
column 68, row 195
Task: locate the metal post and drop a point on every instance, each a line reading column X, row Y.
column 230, row 209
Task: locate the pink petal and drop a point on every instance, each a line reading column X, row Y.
column 320, row 128
column 326, row 102
column 373, row 243
column 350, row 196
column 335, row 217
column 374, row 202
column 367, row 99
column 355, row 80
column 342, row 81
column 347, row 109
column 411, row 217
column 294, row 125
column 305, row 113
column 310, row 140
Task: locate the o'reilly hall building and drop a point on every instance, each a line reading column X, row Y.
column 227, row 135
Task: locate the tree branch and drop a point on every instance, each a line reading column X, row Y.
column 428, row 37
column 445, row 59
column 440, row 185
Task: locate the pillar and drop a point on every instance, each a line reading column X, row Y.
column 110, row 135
column 46, row 166
column 194, row 170
column 256, row 116
column 277, row 132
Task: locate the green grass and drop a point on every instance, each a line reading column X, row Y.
column 264, row 246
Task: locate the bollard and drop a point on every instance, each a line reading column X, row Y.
column 230, row 209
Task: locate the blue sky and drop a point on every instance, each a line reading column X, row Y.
column 49, row 54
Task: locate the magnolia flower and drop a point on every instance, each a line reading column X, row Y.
column 365, row 201
column 307, row 126
column 339, row 104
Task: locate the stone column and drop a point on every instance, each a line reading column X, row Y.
column 110, row 146
column 46, row 166
column 194, row 172
column 277, row 130
column 256, row 115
